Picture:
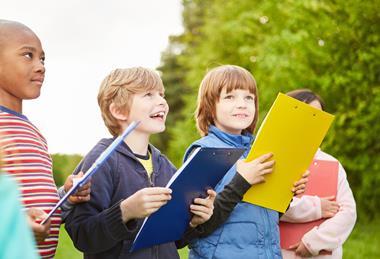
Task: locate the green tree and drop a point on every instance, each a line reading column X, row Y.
column 179, row 87
column 175, row 89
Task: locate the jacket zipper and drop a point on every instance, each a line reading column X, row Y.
column 267, row 233
column 150, row 179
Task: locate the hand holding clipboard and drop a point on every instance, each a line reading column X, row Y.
column 101, row 159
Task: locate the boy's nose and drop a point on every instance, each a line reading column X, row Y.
column 162, row 100
column 163, row 103
column 40, row 67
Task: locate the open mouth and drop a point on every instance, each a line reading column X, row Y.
column 158, row 115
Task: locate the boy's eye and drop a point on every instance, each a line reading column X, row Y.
column 28, row 55
column 148, row 94
column 42, row 59
column 162, row 95
column 228, row 96
column 249, row 98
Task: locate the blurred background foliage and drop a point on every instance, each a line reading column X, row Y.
column 63, row 166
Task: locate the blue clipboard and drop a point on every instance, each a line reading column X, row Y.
column 98, row 162
column 201, row 171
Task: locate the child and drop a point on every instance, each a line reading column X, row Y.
column 226, row 115
column 332, row 233
column 128, row 187
column 26, row 156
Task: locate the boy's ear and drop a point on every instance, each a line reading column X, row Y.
column 117, row 113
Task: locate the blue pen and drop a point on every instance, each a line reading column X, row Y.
column 98, row 162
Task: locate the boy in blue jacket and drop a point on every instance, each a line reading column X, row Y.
column 129, row 185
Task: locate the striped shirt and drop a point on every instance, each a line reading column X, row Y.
column 26, row 158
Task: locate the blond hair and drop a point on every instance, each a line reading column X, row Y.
column 229, row 77
column 119, row 87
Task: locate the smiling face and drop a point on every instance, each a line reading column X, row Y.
column 133, row 94
column 150, row 108
column 22, row 69
column 225, row 97
column 235, row 110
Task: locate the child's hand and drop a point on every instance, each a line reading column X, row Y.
column 35, row 216
column 144, row 202
column 300, row 250
column 329, row 207
column 204, row 210
column 82, row 194
column 300, row 185
column 253, row 172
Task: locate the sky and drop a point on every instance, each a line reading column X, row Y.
column 83, row 41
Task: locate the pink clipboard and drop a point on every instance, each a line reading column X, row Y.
column 323, row 181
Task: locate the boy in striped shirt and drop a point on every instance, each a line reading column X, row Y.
column 25, row 151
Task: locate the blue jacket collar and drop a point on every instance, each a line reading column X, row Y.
column 5, row 109
column 240, row 141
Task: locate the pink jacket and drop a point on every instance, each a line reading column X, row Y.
column 332, row 233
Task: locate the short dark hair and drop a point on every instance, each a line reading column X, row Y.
column 306, row 96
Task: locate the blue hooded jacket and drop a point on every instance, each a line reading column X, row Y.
column 251, row 231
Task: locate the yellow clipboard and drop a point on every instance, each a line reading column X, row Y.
column 292, row 131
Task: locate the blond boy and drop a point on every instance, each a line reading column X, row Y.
column 129, row 186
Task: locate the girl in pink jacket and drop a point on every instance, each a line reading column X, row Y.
column 340, row 215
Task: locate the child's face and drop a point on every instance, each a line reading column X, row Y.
column 151, row 108
column 22, row 69
column 235, row 111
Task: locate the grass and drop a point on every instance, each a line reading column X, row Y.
column 66, row 248
column 363, row 243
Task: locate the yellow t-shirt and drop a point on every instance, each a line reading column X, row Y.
column 146, row 163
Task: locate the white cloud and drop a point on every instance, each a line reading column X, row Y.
column 84, row 40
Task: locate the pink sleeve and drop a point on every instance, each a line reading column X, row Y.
column 304, row 209
column 334, row 231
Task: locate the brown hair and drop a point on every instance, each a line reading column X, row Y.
column 229, row 77
column 306, row 96
column 119, row 87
